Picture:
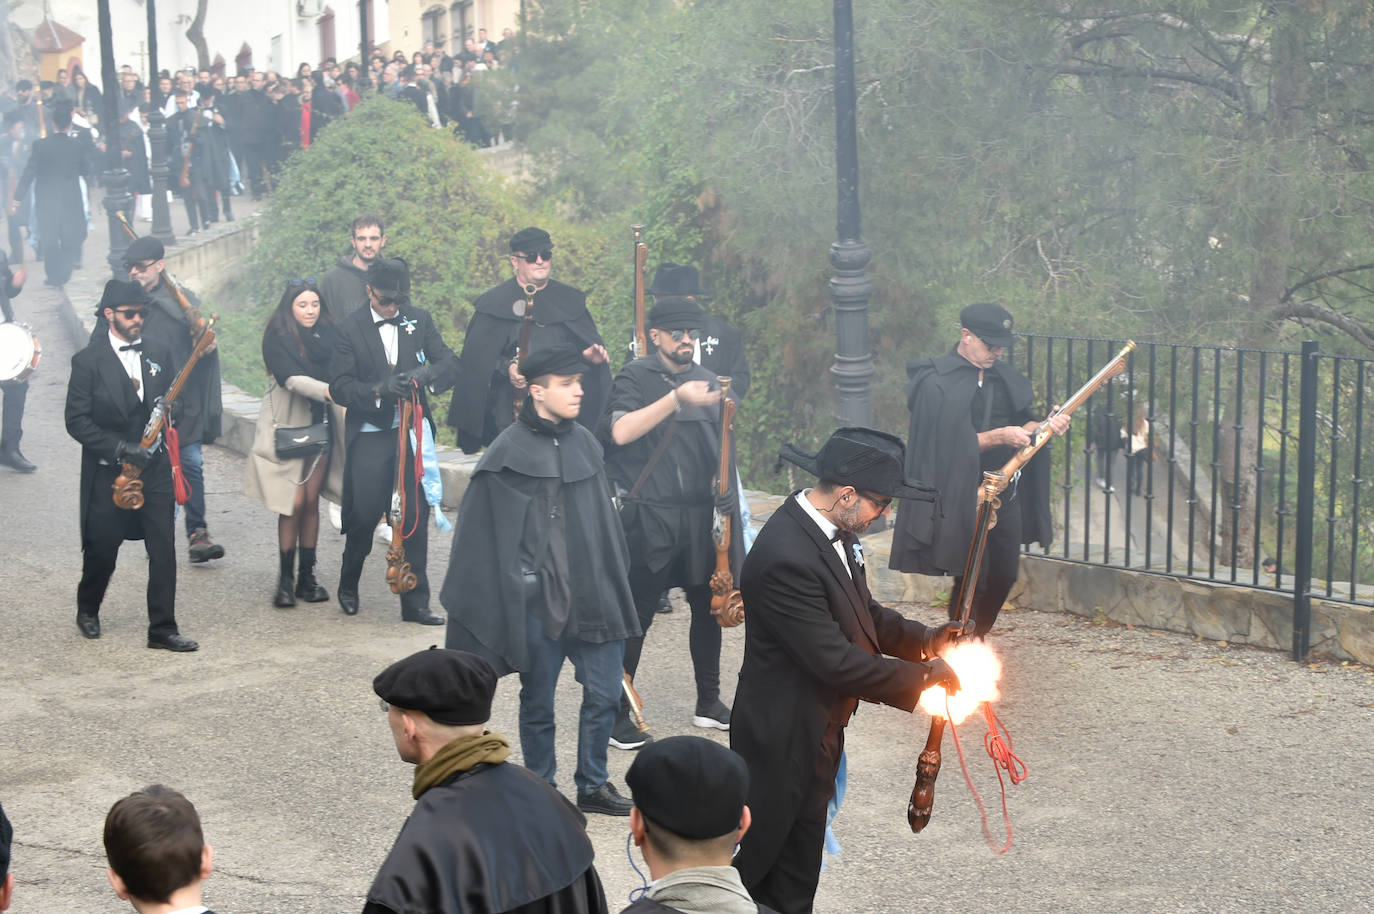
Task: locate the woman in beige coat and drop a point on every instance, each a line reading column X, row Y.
column 296, row 348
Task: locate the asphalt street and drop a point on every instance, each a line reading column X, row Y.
column 1165, row 774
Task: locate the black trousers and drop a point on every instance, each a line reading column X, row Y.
column 1001, row 564
column 703, row 638
column 108, row 526
column 369, row 480
column 11, row 426
column 788, row 885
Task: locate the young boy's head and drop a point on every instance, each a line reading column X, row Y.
column 155, row 846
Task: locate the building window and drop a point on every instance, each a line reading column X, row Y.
column 460, row 25
column 432, row 25
column 326, row 26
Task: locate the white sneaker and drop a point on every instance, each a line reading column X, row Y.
column 383, row 532
column 336, row 515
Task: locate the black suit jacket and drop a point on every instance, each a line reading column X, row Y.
column 103, row 409
column 360, row 361
column 814, row 645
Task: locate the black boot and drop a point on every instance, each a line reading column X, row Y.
column 307, row 588
column 286, row 579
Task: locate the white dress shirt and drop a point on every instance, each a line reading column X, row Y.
column 828, row 528
column 132, row 360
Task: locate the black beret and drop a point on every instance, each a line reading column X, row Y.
column 691, row 786
column 677, row 279
column 989, row 322
column 121, row 292
column 529, row 240
column 864, row 458
column 452, row 687
column 389, row 277
column 6, row 839
column 677, row 312
column 560, row 360
column 145, row 248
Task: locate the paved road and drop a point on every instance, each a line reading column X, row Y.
column 1166, row 774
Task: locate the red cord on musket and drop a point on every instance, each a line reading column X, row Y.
column 1002, row 759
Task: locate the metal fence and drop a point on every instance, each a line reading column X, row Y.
column 1212, row 462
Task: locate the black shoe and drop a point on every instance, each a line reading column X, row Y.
column 713, row 715
column 309, row 590
column 348, row 601
column 179, row 643
column 11, row 458
column 605, row 800
column 421, row 616
column 284, row 598
column 625, row 735
column 89, row 625
column 664, row 607
column 201, row 549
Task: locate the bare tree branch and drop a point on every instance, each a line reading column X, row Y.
column 1329, row 274
column 1311, row 310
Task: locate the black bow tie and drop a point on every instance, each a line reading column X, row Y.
column 835, row 537
column 393, row 321
column 138, row 345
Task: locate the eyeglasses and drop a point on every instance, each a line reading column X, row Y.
column 143, row 267
column 385, row 706
column 131, row 313
column 299, row 282
column 535, row 257
column 690, row 333
column 879, row 502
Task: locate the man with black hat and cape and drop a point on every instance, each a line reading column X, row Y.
column 114, row 383
column 386, row 352
column 662, row 437
column 970, row 412
column 485, row 835
column 484, row 396
column 539, row 573
column 816, row 642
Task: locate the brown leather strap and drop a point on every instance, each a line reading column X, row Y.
column 654, row 458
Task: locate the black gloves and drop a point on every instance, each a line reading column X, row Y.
column 422, row 374
column 396, row 385
column 942, row 674
column 135, row 453
column 726, row 502
column 937, row 639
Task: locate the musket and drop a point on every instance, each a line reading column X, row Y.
column 399, row 574
column 522, row 353
column 193, row 318
column 989, row 491
column 42, row 121
column 633, row 700
column 640, row 345
column 128, row 487
column 727, row 605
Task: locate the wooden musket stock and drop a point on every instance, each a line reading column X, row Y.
column 633, row 700
column 640, row 346
column 399, row 575
column 128, row 487
column 726, row 603
column 989, row 491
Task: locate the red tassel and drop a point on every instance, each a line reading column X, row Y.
column 180, row 487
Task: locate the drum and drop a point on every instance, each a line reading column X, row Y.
column 19, row 352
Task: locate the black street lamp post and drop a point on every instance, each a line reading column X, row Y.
column 850, row 287
column 116, row 178
column 157, row 140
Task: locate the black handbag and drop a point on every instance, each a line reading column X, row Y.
column 302, row 441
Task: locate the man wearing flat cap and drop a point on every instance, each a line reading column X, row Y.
column 970, row 412
column 484, row 835
column 387, row 353
column 688, row 818
column 539, row 573
column 484, row 396
column 816, row 643
column 115, row 382
column 662, row 438
column 199, row 406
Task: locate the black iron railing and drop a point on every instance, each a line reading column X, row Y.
column 1211, row 462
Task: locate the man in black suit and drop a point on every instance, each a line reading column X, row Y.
column 55, row 168
column 815, row 644
column 387, row 351
column 115, row 384
column 158, row 857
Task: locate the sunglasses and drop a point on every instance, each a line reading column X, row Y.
column 143, row 267
column 879, row 502
column 131, row 313
column 690, row 333
column 546, row 256
column 300, row 282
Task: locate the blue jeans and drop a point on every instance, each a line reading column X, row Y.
column 192, row 467
column 598, row 669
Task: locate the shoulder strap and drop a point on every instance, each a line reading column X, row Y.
column 654, row 458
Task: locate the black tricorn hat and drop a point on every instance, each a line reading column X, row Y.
column 677, row 279
column 121, row 292
column 864, row 458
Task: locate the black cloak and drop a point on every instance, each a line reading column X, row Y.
column 483, row 400
column 524, row 478
column 942, row 449
column 490, row 839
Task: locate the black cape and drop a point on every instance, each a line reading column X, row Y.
column 520, row 481
column 492, row 839
column 483, row 400
column 942, row 448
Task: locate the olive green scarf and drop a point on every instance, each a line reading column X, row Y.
column 459, row 755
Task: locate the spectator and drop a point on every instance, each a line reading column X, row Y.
column 345, row 285
column 257, row 133
column 88, row 99
column 63, row 90
column 158, row 857
column 484, row 44
column 210, row 165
